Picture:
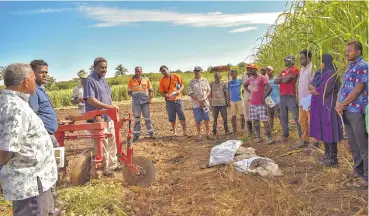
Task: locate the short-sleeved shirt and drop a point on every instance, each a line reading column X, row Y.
column 356, row 72
column 23, row 133
column 235, row 90
column 218, row 91
column 43, row 107
column 257, row 88
column 175, row 81
column 199, row 89
column 140, row 89
column 78, row 94
column 246, row 94
column 275, row 91
column 97, row 87
column 290, row 87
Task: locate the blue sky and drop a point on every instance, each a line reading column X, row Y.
column 70, row 35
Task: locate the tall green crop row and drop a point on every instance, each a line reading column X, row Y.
column 322, row 27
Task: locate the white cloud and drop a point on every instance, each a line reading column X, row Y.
column 43, row 10
column 244, row 29
column 110, row 17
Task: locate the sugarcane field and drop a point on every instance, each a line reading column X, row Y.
column 184, row 108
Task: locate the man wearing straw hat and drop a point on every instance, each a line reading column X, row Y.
column 77, row 97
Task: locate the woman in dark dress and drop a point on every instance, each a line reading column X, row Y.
column 325, row 123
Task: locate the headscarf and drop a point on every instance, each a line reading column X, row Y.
column 327, row 59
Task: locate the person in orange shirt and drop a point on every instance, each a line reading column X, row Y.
column 171, row 88
column 139, row 87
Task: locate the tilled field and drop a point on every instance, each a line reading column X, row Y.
column 183, row 186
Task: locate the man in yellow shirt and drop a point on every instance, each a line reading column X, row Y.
column 139, row 87
column 171, row 88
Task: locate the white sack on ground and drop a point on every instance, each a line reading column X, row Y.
column 244, row 153
column 224, row 153
column 262, row 166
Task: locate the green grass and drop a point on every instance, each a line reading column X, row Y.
column 99, row 198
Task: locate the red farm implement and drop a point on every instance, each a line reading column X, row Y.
column 137, row 170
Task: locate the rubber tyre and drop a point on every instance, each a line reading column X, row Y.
column 144, row 179
column 81, row 171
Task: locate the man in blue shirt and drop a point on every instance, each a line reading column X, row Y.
column 43, row 107
column 234, row 87
column 274, row 96
column 353, row 102
column 97, row 94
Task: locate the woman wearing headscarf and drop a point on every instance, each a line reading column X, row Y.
column 325, row 123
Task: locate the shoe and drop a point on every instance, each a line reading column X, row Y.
column 329, row 162
column 259, row 140
column 301, row 144
column 270, row 141
column 135, row 137
column 322, row 158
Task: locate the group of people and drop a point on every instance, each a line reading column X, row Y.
column 323, row 104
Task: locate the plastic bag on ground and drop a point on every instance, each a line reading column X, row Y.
column 262, row 166
column 224, row 153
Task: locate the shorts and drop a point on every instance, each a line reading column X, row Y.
column 258, row 112
column 236, row 108
column 276, row 110
column 173, row 108
column 200, row 115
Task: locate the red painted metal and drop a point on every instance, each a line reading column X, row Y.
column 96, row 130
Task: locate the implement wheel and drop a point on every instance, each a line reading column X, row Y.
column 146, row 172
column 81, row 171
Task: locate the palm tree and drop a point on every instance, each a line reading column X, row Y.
column 2, row 69
column 120, row 70
column 81, row 72
column 241, row 65
column 92, row 69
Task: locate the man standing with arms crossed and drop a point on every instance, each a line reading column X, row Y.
column 287, row 80
column 41, row 104
column 353, row 102
column 139, row 87
column 97, row 94
column 171, row 88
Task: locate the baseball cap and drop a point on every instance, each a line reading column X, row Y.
column 270, row 68
column 197, row 68
column 290, row 58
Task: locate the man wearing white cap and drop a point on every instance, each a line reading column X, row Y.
column 77, row 97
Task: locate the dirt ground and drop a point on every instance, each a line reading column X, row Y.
column 184, row 187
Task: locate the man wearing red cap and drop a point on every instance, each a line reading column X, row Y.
column 287, row 80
